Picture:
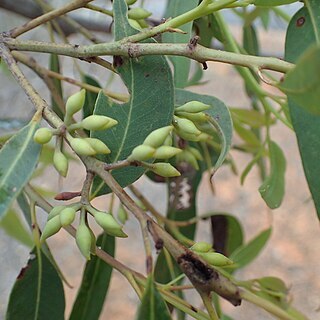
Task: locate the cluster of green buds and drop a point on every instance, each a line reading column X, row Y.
column 157, row 145
column 82, row 146
column 206, row 252
column 137, row 16
column 187, row 119
column 62, row 216
column 190, row 155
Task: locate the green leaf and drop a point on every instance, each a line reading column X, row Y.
column 220, row 116
column 149, row 82
column 152, row 305
column 272, row 189
column 246, row 135
column 181, row 65
column 302, row 84
column 37, row 293
column 250, row 40
column 306, row 125
column 12, row 225
column 95, row 284
column 54, row 65
column 270, row 3
column 273, row 284
column 248, row 252
column 18, row 158
column 252, row 118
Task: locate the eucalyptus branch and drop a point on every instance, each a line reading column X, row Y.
column 134, row 50
column 76, row 4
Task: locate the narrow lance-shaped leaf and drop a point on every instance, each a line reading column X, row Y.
column 272, row 189
column 37, row 293
column 181, row 64
column 248, row 252
column 303, row 31
column 270, row 3
column 152, row 305
column 149, row 82
column 12, row 225
column 95, row 284
column 219, row 115
column 18, row 158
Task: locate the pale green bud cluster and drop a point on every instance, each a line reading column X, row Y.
column 190, row 155
column 88, row 146
column 205, row 251
column 187, row 119
column 59, row 216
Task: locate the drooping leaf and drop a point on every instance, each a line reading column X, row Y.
column 272, row 189
column 248, row 252
column 252, row 118
column 95, row 284
column 181, row 65
column 303, row 31
column 302, row 84
column 220, row 116
column 37, row 293
column 54, row 65
column 250, row 40
column 152, row 305
column 18, row 158
column 273, row 284
column 149, row 82
column 270, row 3
column 12, row 225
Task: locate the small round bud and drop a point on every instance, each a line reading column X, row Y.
column 109, row 224
column 201, row 247
column 75, row 102
column 186, row 125
column 135, row 24
column 43, row 135
column 84, row 240
column 138, row 14
column 67, row 216
column 141, row 153
column 216, row 259
column 193, row 107
column 60, row 162
column 96, row 122
column 166, row 152
column 55, row 211
column 165, row 170
column 122, row 214
column 157, row 137
column 82, row 147
column 52, row 227
column 98, row 146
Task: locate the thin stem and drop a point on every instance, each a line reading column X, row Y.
column 99, row 9
column 47, row 17
column 134, row 50
column 209, row 306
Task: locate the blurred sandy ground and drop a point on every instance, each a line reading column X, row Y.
column 292, row 254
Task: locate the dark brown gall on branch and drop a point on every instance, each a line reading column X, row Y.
column 193, row 42
column 117, row 61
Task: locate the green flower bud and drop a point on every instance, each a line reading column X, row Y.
column 82, row 147
column 52, row 227
column 67, row 216
column 55, row 211
column 166, row 152
column 75, row 102
column 84, row 239
column 138, row 14
column 165, row 170
column 201, row 247
column 109, row 224
column 135, row 24
column 193, row 107
column 204, row 137
column 186, row 125
column 168, row 141
column 216, row 259
column 199, row 117
column 195, row 152
column 157, row 137
column 60, row 162
column 131, row 2
column 43, row 135
column 187, row 136
column 141, row 153
column 188, row 157
column 98, row 146
column 96, row 122
column 122, row 214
